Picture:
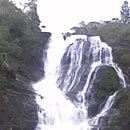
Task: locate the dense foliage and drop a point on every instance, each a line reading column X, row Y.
column 20, row 39
column 21, row 62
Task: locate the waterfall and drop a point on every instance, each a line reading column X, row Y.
column 63, row 104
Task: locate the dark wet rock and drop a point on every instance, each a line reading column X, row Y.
column 18, row 110
column 122, row 104
column 82, row 72
column 116, row 34
column 65, row 63
column 118, row 117
column 32, row 59
column 121, row 56
column 106, row 83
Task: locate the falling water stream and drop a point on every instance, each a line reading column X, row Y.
column 56, row 110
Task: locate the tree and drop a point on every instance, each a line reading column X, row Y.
column 125, row 12
column 82, row 29
column 32, row 14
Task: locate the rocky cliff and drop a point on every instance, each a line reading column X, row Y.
column 21, row 62
column 117, row 35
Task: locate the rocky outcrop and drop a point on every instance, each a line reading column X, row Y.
column 121, row 56
column 117, row 35
column 118, row 116
column 22, row 54
column 106, row 83
column 69, row 64
column 32, row 65
column 18, row 109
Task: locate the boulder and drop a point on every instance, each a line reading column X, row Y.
column 118, row 116
column 106, row 83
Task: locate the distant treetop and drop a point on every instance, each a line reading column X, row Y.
column 125, row 12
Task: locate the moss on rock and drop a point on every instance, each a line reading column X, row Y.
column 106, row 83
column 120, row 121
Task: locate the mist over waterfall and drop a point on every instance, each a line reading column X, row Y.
column 67, row 98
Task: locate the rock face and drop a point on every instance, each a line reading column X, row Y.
column 118, row 116
column 18, row 109
column 22, row 52
column 32, row 67
column 106, row 84
column 116, row 34
column 121, row 56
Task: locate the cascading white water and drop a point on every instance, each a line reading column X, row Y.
column 56, row 110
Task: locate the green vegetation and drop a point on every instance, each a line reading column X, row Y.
column 21, row 62
column 125, row 12
column 106, row 83
column 111, row 32
column 124, row 56
column 108, row 80
column 20, row 38
column 115, row 33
